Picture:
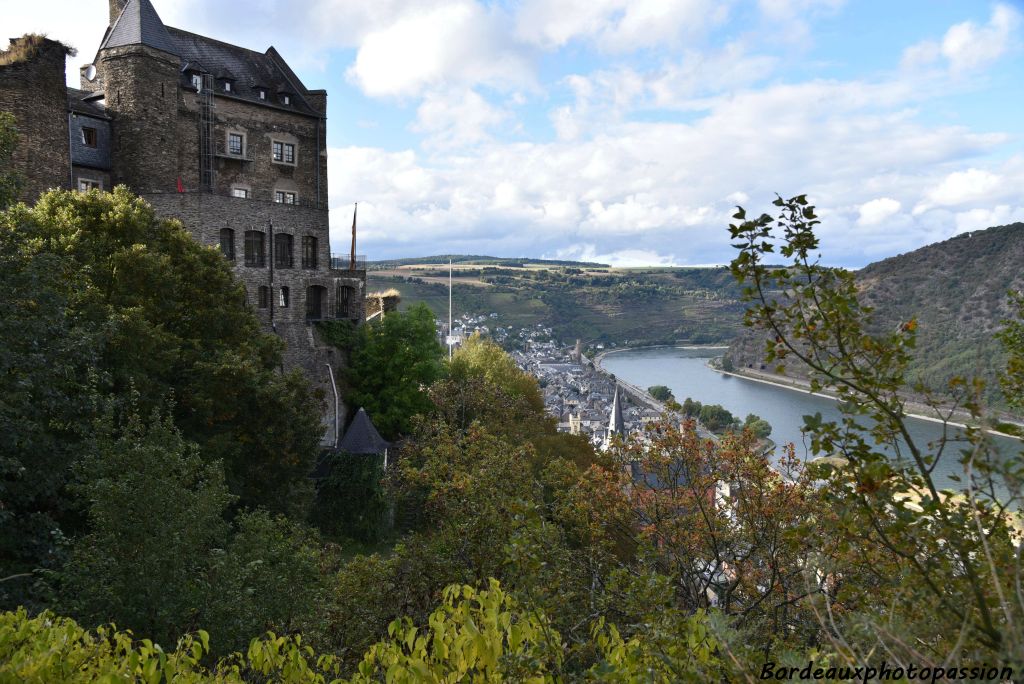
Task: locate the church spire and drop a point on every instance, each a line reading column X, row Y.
column 616, row 424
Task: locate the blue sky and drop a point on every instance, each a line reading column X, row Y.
column 626, row 130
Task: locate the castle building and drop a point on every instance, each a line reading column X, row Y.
column 226, row 139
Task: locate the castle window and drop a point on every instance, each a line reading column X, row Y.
column 264, row 297
column 240, row 192
column 283, row 250
column 345, row 296
column 282, row 197
column 315, row 298
column 236, row 143
column 254, row 248
column 87, row 184
column 309, row 255
column 283, row 298
column 88, row 136
column 227, row 243
column 283, row 153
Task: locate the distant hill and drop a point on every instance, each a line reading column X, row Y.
column 479, row 260
column 594, row 303
column 957, row 291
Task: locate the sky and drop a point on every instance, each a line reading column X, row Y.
column 627, row 131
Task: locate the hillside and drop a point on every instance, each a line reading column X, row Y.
column 478, row 260
column 957, row 291
column 596, row 304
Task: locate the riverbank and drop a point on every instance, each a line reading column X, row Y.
column 641, row 395
column 916, row 409
column 597, row 359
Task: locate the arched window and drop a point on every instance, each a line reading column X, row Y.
column 264, row 297
column 227, row 243
column 316, row 297
column 309, row 245
column 255, row 248
column 283, row 300
column 283, row 251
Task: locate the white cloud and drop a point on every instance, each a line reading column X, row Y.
column 615, row 25
column 456, row 118
column 877, row 210
column 963, row 186
column 967, row 47
column 625, row 258
column 977, row 219
column 655, row 188
column 459, row 43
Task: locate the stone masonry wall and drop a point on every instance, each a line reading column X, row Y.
column 34, row 91
column 141, row 86
column 255, row 170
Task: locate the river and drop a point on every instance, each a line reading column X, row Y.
column 685, row 372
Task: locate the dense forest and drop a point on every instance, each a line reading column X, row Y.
column 167, row 514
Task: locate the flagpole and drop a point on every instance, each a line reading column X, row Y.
column 352, row 255
column 451, row 334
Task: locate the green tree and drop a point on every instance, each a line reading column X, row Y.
column 49, row 378
column 660, row 392
column 758, row 426
column 155, row 511
column 391, row 363
column 266, row 579
column 350, row 500
column 167, row 317
column 953, row 598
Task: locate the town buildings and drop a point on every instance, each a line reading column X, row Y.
column 225, row 139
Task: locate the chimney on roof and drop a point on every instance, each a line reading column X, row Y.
column 116, row 7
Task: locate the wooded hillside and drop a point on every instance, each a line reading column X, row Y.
column 957, row 292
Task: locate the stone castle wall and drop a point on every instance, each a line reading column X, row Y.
column 33, row 90
column 141, row 86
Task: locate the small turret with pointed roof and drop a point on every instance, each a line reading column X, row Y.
column 137, row 24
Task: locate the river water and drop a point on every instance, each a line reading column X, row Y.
column 685, row 372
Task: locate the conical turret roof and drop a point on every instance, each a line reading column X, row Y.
column 139, row 24
column 362, row 437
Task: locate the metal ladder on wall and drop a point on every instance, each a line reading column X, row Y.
column 207, row 146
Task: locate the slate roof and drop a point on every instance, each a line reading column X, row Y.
column 362, row 437
column 139, row 24
column 80, row 101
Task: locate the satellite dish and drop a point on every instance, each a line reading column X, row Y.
column 90, row 72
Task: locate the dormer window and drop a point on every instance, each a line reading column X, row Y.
column 261, row 93
column 227, row 86
column 286, row 99
column 197, row 82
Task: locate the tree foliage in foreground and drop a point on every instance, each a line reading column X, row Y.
column 947, row 550
column 108, row 308
column 481, row 635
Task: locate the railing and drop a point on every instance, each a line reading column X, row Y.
column 344, row 262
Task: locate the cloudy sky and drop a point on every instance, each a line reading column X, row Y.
column 625, row 131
